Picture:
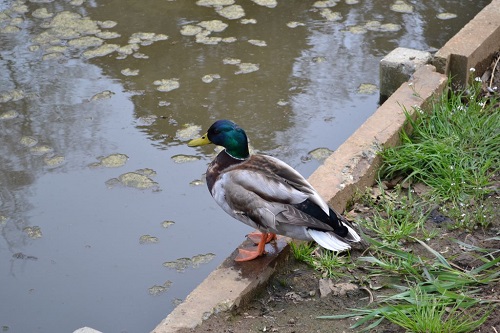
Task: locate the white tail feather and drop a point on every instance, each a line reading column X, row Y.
column 352, row 235
column 328, row 241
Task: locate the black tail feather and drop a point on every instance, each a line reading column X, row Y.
column 334, row 220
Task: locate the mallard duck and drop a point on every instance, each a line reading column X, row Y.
column 269, row 195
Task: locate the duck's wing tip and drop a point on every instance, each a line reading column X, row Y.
column 352, row 236
column 328, row 240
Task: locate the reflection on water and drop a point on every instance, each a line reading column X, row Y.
column 104, row 218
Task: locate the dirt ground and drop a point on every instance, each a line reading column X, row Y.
column 292, row 300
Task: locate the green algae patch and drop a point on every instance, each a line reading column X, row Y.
column 54, row 161
column 248, row 21
column 148, row 239
column 231, row 61
column 166, row 85
column 196, row 182
column 190, row 30
column 106, row 94
column 129, row 72
column 205, row 38
column 209, row 78
column 179, row 264
column 52, row 56
column 11, row 114
column 66, row 24
column 367, row 89
column 182, row 263
column 200, row 259
column 12, row 96
column 266, row 3
column 246, row 67
column 167, row 224
column 107, row 24
column 147, row 120
column 85, row 42
column 111, row 161
column 232, row 12
column 229, row 39
column 107, row 35
column 41, row 150
column 357, row 29
column 187, row 132
column 446, row 16
column 295, row 24
column 146, row 38
column 139, row 179
column 257, row 42
column 390, row 27
column 378, row 26
column 325, row 4
column 214, row 25
column 181, row 158
column 101, row 51
column 320, row 154
column 42, row 13
column 10, row 29
column 127, row 50
column 330, row 15
column 214, row 3
column 33, row 232
column 139, row 55
column 28, row 141
column 401, row 6
column 157, row 289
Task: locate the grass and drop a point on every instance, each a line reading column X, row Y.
column 396, row 215
column 328, row 263
column 454, row 150
column 432, row 314
column 436, row 296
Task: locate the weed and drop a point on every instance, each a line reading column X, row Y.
column 437, row 297
column 437, row 314
column 329, row 264
column 454, row 149
column 302, row 251
column 396, row 215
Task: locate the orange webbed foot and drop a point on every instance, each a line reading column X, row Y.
column 248, row 254
column 256, row 251
column 257, row 235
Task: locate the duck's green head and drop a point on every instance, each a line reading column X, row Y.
column 227, row 134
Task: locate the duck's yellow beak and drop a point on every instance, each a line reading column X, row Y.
column 200, row 141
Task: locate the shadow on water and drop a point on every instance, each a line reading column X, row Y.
column 104, row 217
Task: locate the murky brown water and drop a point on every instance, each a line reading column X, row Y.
column 102, row 222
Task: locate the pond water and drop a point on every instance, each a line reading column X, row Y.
column 104, row 217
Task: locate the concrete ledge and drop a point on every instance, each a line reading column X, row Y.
column 472, row 46
column 397, row 67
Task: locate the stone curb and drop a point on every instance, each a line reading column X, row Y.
column 351, row 167
column 472, row 46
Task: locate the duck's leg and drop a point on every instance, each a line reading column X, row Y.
column 256, row 251
column 256, row 237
